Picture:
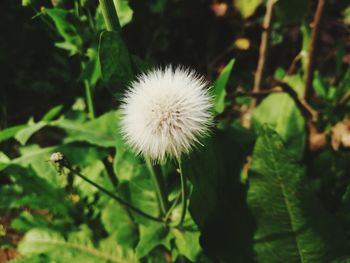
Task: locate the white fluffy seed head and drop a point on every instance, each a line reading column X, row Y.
column 166, row 112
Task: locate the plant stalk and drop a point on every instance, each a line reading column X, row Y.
column 89, row 100
column 183, row 194
column 159, row 185
column 110, row 16
column 115, row 197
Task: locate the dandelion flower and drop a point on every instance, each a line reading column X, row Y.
column 166, row 112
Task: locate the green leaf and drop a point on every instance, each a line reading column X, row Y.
column 217, row 202
column 29, row 190
column 114, row 59
column 247, row 7
column 78, row 248
column 24, row 134
column 101, row 131
column 64, row 27
column 281, row 113
column 220, row 87
column 151, row 236
column 37, row 158
column 26, row 221
column 187, row 243
column 92, row 70
column 116, row 220
column 52, row 113
column 9, row 133
column 290, row 222
column 124, row 11
column 289, row 12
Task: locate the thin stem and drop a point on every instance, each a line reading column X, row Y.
column 309, row 74
column 115, row 197
column 158, row 182
column 110, row 15
column 89, row 96
column 183, row 194
column 264, row 48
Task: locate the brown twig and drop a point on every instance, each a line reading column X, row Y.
column 309, row 114
column 263, row 50
column 312, row 48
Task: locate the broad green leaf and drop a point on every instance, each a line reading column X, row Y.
column 124, row 11
column 151, row 236
column 217, row 202
column 76, row 249
column 65, row 28
column 114, row 59
column 9, row 133
column 289, row 12
column 101, row 131
column 247, row 7
column 219, row 89
column 290, row 223
column 280, row 112
column 117, row 221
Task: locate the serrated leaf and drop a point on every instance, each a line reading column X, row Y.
column 290, row 222
column 219, row 89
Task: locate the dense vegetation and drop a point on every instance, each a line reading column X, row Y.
column 271, row 183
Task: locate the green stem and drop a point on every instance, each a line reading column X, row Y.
column 88, row 96
column 115, row 197
column 183, row 194
column 171, row 209
column 159, row 185
column 110, row 16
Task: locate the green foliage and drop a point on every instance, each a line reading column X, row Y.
column 115, row 60
column 219, row 89
column 286, row 211
column 281, row 112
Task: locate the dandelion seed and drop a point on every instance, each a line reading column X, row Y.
column 166, row 112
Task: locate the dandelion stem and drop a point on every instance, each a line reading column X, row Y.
column 115, row 197
column 159, row 185
column 110, row 15
column 171, row 209
column 88, row 96
column 183, row 194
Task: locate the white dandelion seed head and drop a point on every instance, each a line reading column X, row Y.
column 166, row 112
